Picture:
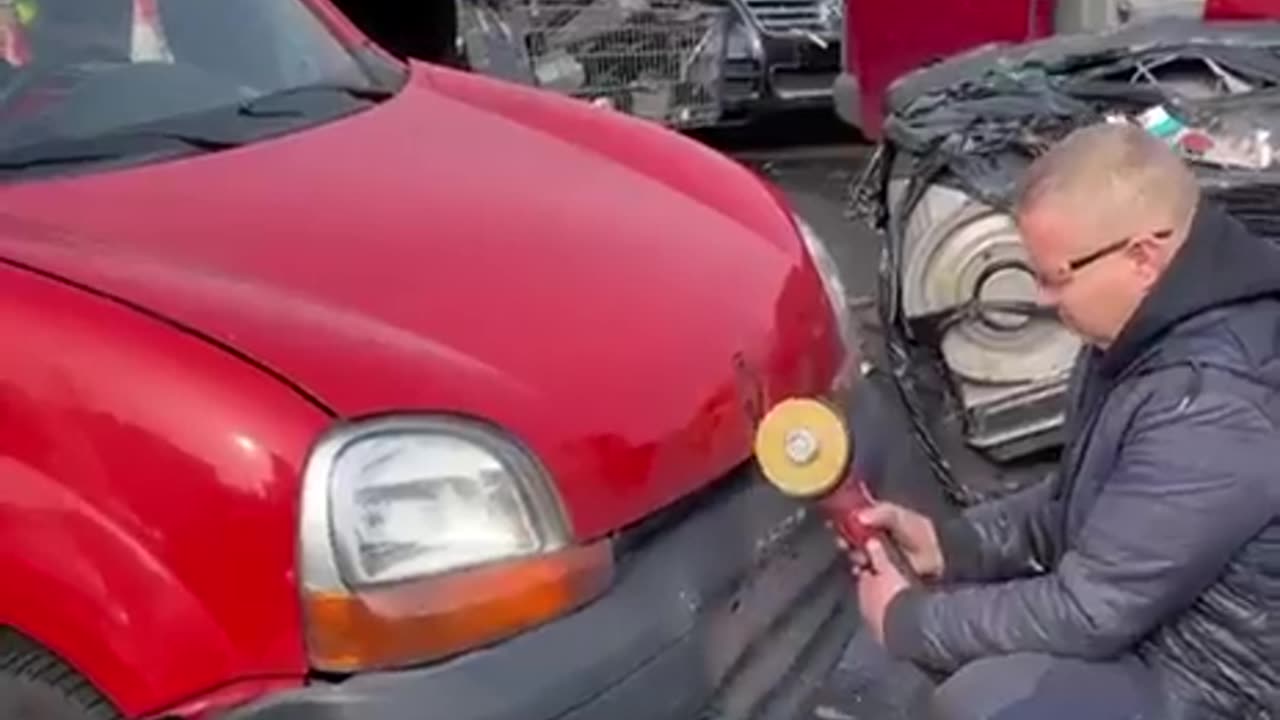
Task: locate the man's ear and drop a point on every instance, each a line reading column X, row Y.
column 1149, row 255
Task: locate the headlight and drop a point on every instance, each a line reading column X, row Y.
column 837, row 295
column 425, row 536
column 419, row 498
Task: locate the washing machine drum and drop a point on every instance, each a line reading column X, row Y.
column 957, row 250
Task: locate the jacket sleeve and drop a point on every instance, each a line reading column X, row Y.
column 1191, row 485
column 1005, row 538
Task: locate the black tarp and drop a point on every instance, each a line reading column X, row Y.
column 977, row 119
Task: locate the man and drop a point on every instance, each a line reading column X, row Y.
column 71, row 31
column 1144, row 581
column 15, row 16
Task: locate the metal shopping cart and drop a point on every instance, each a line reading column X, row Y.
column 657, row 59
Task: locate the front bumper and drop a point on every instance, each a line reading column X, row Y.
column 733, row 604
column 786, row 72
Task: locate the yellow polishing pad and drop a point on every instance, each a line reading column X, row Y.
column 803, row 447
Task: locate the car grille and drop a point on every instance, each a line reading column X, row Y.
column 787, row 16
column 742, row 82
column 772, row 612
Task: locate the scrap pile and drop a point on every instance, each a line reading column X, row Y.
column 959, row 134
column 657, row 59
column 976, row 121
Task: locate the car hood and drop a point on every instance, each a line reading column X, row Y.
column 614, row 295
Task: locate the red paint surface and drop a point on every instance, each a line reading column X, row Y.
column 888, row 41
column 1242, row 9
column 149, row 497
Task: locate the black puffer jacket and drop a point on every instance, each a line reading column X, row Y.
column 1160, row 534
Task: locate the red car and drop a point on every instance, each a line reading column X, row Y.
column 341, row 387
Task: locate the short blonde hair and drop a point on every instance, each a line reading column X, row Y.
column 1113, row 176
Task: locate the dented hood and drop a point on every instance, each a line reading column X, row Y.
column 610, row 293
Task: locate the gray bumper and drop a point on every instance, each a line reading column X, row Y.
column 790, row 72
column 732, row 605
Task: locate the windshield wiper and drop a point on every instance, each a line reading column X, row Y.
column 210, row 131
column 103, row 148
column 262, row 106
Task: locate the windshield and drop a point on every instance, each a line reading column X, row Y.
column 85, row 81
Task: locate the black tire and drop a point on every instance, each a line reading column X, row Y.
column 35, row 685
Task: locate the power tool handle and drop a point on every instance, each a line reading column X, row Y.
column 898, row 559
column 857, row 535
column 844, row 505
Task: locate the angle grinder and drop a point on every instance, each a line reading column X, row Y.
column 805, row 449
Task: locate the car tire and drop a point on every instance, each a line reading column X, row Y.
column 36, row 685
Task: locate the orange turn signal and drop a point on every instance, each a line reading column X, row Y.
column 431, row 618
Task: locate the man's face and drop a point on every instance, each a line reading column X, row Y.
column 1095, row 283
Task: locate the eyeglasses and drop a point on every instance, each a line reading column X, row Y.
column 1077, row 264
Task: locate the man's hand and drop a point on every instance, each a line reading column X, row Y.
column 912, row 532
column 878, row 584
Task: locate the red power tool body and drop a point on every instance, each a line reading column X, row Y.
column 842, row 505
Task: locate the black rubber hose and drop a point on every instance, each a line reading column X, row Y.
column 896, row 332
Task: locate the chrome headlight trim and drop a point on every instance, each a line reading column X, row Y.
column 325, row 566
